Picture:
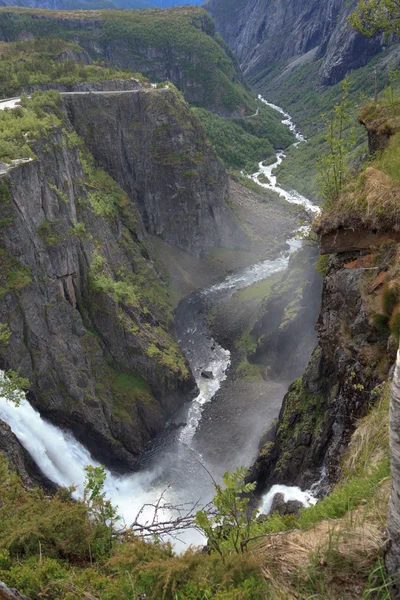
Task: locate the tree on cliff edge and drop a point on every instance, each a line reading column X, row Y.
column 377, row 16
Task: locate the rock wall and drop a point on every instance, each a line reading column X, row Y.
column 153, row 145
column 320, row 410
column 265, row 33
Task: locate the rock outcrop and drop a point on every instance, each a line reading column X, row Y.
column 7, row 593
column 393, row 552
column 266, row 34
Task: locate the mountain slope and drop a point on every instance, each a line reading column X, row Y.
column 268, row 35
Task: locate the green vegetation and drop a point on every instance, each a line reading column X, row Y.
column 376, row 16
column 370, row 199
column 13, row 275
column 68, row 550
column 333, row 170
column 244, row 143
column 42, row 61
column 47, row 231
column 71, row 549
column 20, row 127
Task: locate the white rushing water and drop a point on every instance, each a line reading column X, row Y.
column 173, row 462
column 268, row 179
column 289, row 494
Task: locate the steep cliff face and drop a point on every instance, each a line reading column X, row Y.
column 90, row 322
column 153, row 145
column 320, row 410
column 267, row 35
column 178, row 45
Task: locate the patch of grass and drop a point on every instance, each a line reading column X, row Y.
column 47, row 231
column 13, row 276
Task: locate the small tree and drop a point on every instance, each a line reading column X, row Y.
column 376, row 16
column 102, row 515
column 332, row 167
column 228, row 528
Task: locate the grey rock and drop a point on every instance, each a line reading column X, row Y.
column 292, row 507
column 319, row 413
column 207, row 374
column 71, row 341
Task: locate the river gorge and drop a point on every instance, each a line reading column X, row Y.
column 177, row 465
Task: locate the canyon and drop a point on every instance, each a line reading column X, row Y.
column 162, row 303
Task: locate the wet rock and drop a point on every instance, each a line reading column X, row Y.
column 207, row 374
column 292, row 507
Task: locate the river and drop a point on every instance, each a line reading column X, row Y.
column 173, row 465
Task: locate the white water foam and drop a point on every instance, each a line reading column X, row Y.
column 289, row 494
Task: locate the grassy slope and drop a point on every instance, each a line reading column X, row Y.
column 35, row 62
column 332, row 551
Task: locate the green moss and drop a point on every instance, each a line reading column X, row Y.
column 303, row 415
column 126, row 391
column 322, row 264
column 47, row 231
column 5, row 191
column 13, row 276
